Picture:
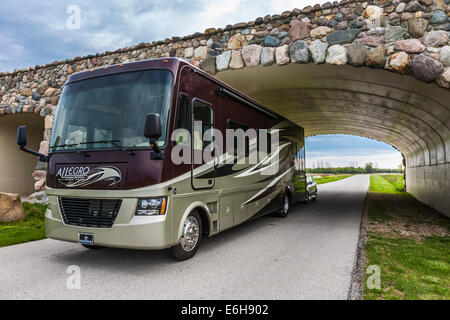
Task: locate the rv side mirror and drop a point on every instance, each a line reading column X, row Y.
column 22, row 142
column 22, row 136
column 152, row 128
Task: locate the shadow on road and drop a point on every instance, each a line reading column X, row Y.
column 123, row 259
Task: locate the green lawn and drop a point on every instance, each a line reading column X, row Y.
column 331, row 178
column 30, row 229
column 410, row 269
column 412, row 265
column 387, row 184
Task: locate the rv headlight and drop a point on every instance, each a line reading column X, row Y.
column 151, row 207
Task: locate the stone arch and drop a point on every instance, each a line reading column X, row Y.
column 402, row 111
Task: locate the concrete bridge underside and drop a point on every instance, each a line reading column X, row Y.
column 410, row 115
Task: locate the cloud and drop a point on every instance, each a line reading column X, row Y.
column 383, row 160
column 5, row 55
column 345, row 150
column 40, row 26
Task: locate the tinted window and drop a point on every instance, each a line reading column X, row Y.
column 112, row 108
column 183, row 119
column 202, row 113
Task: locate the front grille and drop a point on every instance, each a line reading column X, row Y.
column 94, row 213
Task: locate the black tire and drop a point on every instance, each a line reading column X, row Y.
column 92, row 247
column 308, row 197
column 180, row 252
column 285, row 206
column 315, row 197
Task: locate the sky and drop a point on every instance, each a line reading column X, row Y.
column 344, row 150
column 38, row 32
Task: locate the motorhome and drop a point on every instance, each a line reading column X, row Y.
column 127, row 165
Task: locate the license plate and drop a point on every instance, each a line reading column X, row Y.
column 86, row 238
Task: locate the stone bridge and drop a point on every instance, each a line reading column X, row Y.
column 378, row 69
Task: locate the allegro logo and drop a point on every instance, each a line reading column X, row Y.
column 83, row 176
column 72, row 172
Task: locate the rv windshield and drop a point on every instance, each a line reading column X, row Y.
column 104, row 112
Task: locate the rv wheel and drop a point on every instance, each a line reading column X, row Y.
column 190, row 240
column 285, row 206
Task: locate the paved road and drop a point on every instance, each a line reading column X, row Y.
column 309, row 255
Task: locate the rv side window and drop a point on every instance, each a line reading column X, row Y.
column 234, row 125
column 183, row 121
column 202, row 113
column 269, row 143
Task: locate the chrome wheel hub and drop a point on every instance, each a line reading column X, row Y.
column 191, row 234
column 286, row 204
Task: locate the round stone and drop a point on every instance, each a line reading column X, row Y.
column 318, row 51
column 299, row 52
column 270, row 41
column 436, row 39
column 223, row 61
column 374, row 14
column 410, row 46
column 252, row 55
column 371, row 41
column 342, row 36
column 439, row 17
column 399, row 62
column 299, row 30
column 414, row 6
column 282, row 55
column 356, row 54
column 445, row 55
column 336, row 55
column 401, row 6
column 200, row 52
column 417, row 27
column 425, row 68
column 444, row 79
column 188, row 53
column 268, row 56
column 237, row 42
column 320, row 32
column 236, row 61
column 394, row 33
column 376, row 58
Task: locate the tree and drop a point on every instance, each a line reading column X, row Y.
column 368, row 168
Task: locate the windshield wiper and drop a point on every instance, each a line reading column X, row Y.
column 83, row 153
column 113, row 142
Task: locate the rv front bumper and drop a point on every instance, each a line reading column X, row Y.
column 128, row 231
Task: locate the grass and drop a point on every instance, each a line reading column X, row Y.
column 411, row 267
column 397, row 181
column 387, row 184
column 30, row 229
column 331, row 178
column 379, row 213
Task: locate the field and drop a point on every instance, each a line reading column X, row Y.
column 408, row 241
column 330, row 178
column 30, row 229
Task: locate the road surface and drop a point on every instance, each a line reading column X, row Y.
column 309, row 255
